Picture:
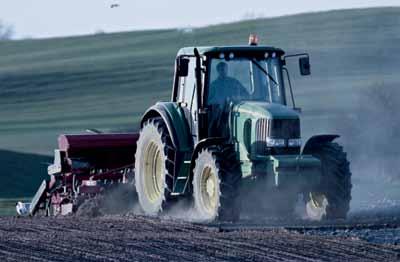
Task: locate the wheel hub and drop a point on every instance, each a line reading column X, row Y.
column 318, row 200
column 153, row 177
column 210, row 187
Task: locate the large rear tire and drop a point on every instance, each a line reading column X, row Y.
column 153, row 178
column 331, row 198
column 216, row 181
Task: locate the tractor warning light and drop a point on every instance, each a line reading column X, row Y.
column 253, row 39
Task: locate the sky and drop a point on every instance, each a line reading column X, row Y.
column 53, row 18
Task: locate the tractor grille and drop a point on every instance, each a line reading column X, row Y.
column 262, row 129
column 275, row 128
column 285, row 128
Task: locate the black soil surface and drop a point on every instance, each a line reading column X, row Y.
column 136, row 238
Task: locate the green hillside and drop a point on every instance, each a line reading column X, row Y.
column 106, row 81
column 21, row 173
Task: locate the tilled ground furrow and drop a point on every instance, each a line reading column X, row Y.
column 147, row 239
column 47, row 251
column 222, row 250
column 287, row 246
column 278, row 245
column 327, row 249
column 307, row 247
column 235, row 246
column 23, row 252
column 199, row 246
column 314, row 248
column 251, row 248
column 75, row 252
column 290, row 247
column 274, row 250
column 360, row 249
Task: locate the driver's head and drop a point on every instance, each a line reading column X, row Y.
column 222, row 69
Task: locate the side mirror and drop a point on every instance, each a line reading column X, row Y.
column 304, row 64
column 182, row 66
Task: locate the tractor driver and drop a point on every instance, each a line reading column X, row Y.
column 225, row 88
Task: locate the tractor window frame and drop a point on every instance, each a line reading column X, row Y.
column 187, row 97
column 258, row 56
column 181, row 95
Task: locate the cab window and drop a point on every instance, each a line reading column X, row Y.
column 187, row 90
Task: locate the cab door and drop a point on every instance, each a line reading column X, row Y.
column 187, row 98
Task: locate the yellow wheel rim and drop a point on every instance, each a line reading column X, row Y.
column 209, row 191
column 153, row 172
column 318, row 200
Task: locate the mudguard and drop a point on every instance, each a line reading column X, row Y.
column 316, row 141
column 178, row 129
column 174, row 118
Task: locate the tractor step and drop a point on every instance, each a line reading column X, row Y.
column 182, row 180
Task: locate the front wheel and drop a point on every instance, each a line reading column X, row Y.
column 331, row 198
column 216, row 180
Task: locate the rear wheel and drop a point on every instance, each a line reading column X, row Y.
column 216, row 180
column 331, row 198
column 152, row 173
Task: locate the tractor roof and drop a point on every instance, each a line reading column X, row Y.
column 207, row 50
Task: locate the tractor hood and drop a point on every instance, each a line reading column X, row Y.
column 257, row 110
column 256, row 124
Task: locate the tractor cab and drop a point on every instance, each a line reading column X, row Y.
column 210, row 81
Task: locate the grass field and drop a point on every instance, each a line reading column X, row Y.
column 7, row 205
column 106, row 81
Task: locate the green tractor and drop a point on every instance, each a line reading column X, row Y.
column 227, row 129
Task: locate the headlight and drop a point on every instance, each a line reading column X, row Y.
column 274, row 142
column 294, row 142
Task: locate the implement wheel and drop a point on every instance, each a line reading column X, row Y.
column 216, row 180
column 331, row 198
column 152, row 173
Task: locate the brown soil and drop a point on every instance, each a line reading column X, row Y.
column 135, row 238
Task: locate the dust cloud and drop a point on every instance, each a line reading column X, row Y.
column 371, row 136
column 120, row 199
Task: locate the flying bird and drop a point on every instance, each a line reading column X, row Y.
column 114, row 5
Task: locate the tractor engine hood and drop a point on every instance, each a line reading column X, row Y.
column 264, row 110
column 264, row 128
